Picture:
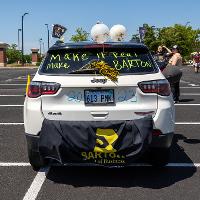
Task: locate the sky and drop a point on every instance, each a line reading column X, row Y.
column 85, row 13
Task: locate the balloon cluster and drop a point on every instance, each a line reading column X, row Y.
column 100, row 33
column 105, row 70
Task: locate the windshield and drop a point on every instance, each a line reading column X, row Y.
column 125, row 61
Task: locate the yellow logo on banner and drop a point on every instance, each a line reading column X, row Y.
column 104, row 141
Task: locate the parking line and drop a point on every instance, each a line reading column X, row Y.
column 190, row 87
column 11, row 84
column 11, row 124
column 192, row 94
column 12, row 95
column 36, row 185
column 187, row 123
column 187, row 104
column 11, row 105
column 11, row 164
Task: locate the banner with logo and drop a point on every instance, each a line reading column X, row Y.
column 58, row 31
column 142, row 31
column 95, row 142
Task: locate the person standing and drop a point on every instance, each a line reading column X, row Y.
column 172, row 72
column 196, row 61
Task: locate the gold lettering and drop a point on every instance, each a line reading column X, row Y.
column 98, row 155
column 116, row 64
column 115, row 54
column 67, row 56
column 55, row 57
column 84, row 57
column 84, row 154
column 90, row 155
column 124, row 64
column 75, row 57
column 112, row 155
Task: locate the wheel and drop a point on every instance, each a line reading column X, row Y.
column 159, row 157
column 35, row 160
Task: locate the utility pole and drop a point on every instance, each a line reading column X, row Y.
column 48, row 34
column 23, row 37
column 19, row 29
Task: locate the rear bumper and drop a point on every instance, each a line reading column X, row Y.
column 162, row 141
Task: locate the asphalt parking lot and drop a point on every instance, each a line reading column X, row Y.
column 179, row 180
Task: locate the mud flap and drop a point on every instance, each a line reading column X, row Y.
column 97, row 142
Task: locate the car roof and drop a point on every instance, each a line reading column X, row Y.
column 78, row 45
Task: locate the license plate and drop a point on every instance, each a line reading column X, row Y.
column 99, row 96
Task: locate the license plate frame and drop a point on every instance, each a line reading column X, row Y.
column 93, row 103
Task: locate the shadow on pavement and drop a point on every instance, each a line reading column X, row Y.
column 146, row 177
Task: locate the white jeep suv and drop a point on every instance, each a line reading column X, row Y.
column 98, row 104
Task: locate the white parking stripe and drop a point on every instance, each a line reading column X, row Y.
column 36, row 185
column 11, row 124
column 187, row 123
column 11, row 164
column 187, row 104
column 11, row 84
column 192, row 94
column 190, row 87
column 11, row 95
column 11, row 105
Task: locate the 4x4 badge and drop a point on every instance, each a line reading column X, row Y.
column 95, row 80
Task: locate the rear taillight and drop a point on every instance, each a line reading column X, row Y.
column 156, row 132
column 160, row 87
column 37, row 89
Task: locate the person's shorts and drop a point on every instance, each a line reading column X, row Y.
column 196, row 64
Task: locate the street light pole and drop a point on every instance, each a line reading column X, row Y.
column 23, row 37
column 19, row 29
column 47, row 33
column 40, row 40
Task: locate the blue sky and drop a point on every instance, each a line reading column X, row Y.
column 85, row 13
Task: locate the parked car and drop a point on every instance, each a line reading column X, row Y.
column 98, row 104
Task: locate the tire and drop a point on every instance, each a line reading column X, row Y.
column 159, row 157
column 35, row 160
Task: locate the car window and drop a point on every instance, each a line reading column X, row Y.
column 126, row 61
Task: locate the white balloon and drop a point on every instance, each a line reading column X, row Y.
column 117, row 33
column 100, row 33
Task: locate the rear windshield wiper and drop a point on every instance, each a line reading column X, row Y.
column 86, row 68
column 84, row 71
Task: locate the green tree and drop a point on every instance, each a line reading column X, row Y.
column 135, row 38
column 27, row 58
column 13, row 54
column 80, row 35
column 183, row 36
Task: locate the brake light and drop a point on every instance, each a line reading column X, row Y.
column 156, row 132
column 160, row 87
column 37, row 89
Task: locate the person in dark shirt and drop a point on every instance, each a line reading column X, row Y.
column 173, row 73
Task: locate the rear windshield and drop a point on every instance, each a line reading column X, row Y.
column 126, row 61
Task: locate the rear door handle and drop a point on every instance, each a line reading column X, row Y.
column 99, row 115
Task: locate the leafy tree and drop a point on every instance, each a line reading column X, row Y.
column 13, row 55
column 135, row 38
column 80, row 35
column 27, row 58
column 183, row 36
